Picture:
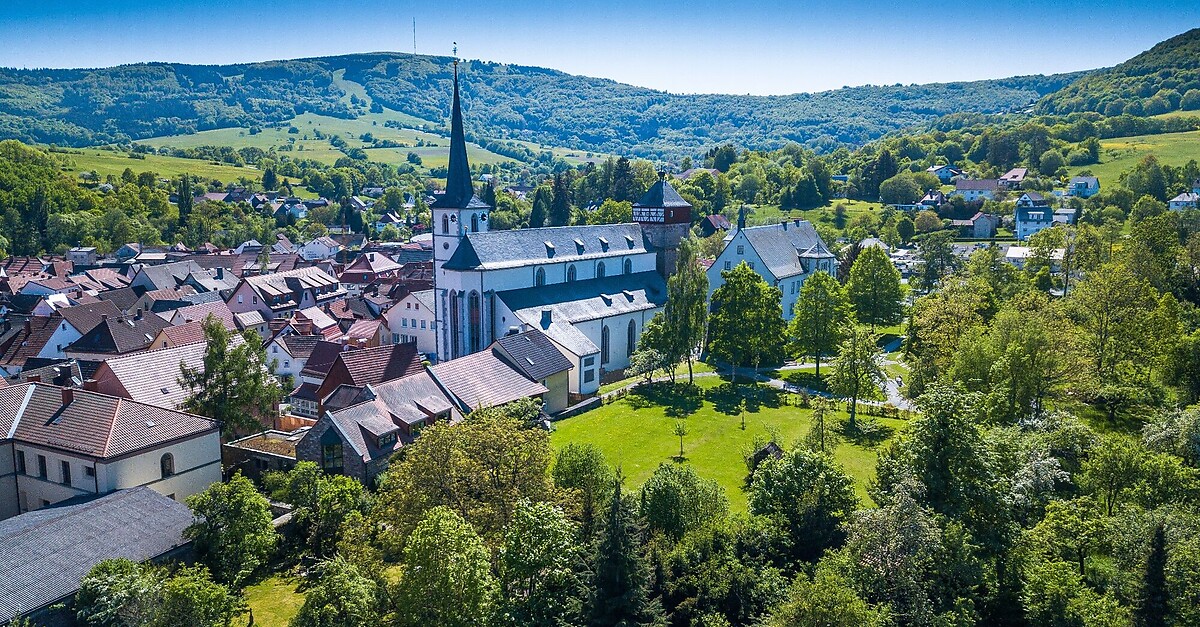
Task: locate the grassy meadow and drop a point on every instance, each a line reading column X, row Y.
column 1121, row 154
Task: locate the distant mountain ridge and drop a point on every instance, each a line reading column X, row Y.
column 119, row 104
column 1162, row 79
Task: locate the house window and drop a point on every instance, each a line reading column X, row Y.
column 20, row 462
column 539, row 277
column 166, row 464
column 422, row 324
column 404, row 322
column 590, row 361
column 89, row 471
column 66, row 472
column 604, row 345
column 628, row 266
column 589, row 376
column 751, row 265
column 331, row 452
column 42, row 466
column 631, row 337
column 728, row 265
column 255, row 300
column 239, row 299
column 600, row 270
column 287, row 364
column 395, row 338
column 570, row 273
column 741, row 250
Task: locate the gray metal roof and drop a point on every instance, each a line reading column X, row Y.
column 533, row 354
column 47, row 552
column 662, row 195
column 522, row 247
column 781, row 247
column 482, row 380
column 591, row 299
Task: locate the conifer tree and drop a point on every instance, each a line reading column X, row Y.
column 622, row 575
column 1153, row 605
column 560, row 205
column 541, row 208
column 185, row 201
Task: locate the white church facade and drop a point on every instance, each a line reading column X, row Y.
column 591, row 289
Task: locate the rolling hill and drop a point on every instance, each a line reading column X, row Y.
column 81, row 107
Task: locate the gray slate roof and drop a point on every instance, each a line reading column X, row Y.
column 662, row 195
column 533, row 354
column 47, row 552
column 483, row 380
column 522, row 247
column 781, row 249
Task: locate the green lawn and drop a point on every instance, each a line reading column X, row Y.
column 106, row 162
column 680, row 370
column 637, row 434
column 274, row 601
column 1121, row 154
column 770, row 214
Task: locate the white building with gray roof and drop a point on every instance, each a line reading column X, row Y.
column 783, row 254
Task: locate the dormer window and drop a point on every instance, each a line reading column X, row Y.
column 549, row 248
column 603, row 244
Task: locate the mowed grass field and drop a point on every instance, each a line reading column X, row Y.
column 637, row 433
column 1121, row 154
column 770, row 214
column 105, row 162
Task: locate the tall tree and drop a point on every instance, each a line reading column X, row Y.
column 810, row 494
column 340, row 596
column 540, row 565
column 447, row 578
column 937, row 258
column 235, row 386
column 746, row 324
column 624, row 187
column 270, row 181
column 1154, row 603
column 542, row 198
column 191, row 597
column 560, row 205
column 857, row 369
column 821, row 313
column 874, row 288
column 676, row 501
column 622, row 580
column 583, row 469
column 232, row 534
column 186, row 200
column 687, row 297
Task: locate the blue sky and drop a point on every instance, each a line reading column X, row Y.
column 701, row 46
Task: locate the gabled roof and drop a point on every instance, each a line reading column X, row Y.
column 414, row 398
column 363, row 329
column 321, row 358
column 522, row 247
column 1090, row 180
column 187, row 333
column 199, row 313
column 372, row 262
column 96, row 424
column 169, row 275
column 976, row 185
column 1186, row 197
column 533, row 354
column 300, row 346
column 1015, row 175
column 120, row 335
column 590, row 299
column 483, row 380
column 287, row 284
column 781, row 249
column 25, row 341
column 369, row 366
column 38, row 566
column 123, row 298
column 85, row 317
column 152, row 377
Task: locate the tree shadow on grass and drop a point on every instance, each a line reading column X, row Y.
column 679, row 399
column 868, row 432
column 727, row 398
column 806, row 380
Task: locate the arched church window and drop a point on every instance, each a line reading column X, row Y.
column 600, row 270
column 604, row 345
column 628, row 266
column 570, row 273
column 539, row 277
column 631, row 338
column 445, row 224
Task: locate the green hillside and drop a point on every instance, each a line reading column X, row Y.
column 529, row 104
column 1164, row 78
column 1120, row 155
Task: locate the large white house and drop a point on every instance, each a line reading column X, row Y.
column 783, row 254
column 590, row 289
column 60, row 443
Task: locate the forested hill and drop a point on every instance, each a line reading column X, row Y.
column 94, row 106
column 1165, row 78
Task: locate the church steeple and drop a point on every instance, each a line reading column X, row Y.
column 459, row 190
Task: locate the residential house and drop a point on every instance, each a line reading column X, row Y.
column 483, row 379
column 367, row 333
column 280, row 294
column 714, row 223
column 368, row 268
column 411, row 320
column 359, row 440
column 945, row 172
column 932, row 199
column 972, row 190
column 784, row 255
column 117, row 336
column 979, row 226
column 24, row 340
column 47, row 553
column 1014, row 178
column 1083, row 186
column 1186, row 200
column 288, row 354
column 82, row 256
column 1018, row 255
column 369, row 366
column 533, row 354
column 74, row 322
column 152, row 376
column 1032, row 214
column 320, row 248
column 65, row 443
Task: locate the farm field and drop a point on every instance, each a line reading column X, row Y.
column 1121, row 154
column 105, row 162
column 636, row 433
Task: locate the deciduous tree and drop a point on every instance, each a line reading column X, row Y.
column 874, row 288
column 820, row 315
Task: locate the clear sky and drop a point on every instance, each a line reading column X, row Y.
column 699, row 46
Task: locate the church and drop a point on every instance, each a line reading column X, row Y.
column 591, row 289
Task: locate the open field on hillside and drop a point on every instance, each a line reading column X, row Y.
column 105, row 162
column 1121, row 154
column 636, row 433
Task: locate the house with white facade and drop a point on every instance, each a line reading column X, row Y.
column 60, row 443
column 1083, row 186
column 1186, row 200
column 324, row 247
column 412, row 320
column 783, row 254
column 1032, row 214
column 945, row 172
column 972, row 190
column 280, row 294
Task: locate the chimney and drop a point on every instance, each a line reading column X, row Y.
column 91, row 385
column 103, row 317
column 138, row 314
column 68, row 395
column 345, row 342
column 547, row 317
column 28, row 326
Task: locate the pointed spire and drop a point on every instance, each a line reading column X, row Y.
column 459, row 189
column 741, row 218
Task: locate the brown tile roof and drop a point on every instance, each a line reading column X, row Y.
column 198, row 313
column 96, row 424
column 120, row 335
column 321, row 359
column 188, row 333
column 152, row 377
column 363, row 329
column 369, row 366
column 483, row 380
column 27, row 340
column 301, row 346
